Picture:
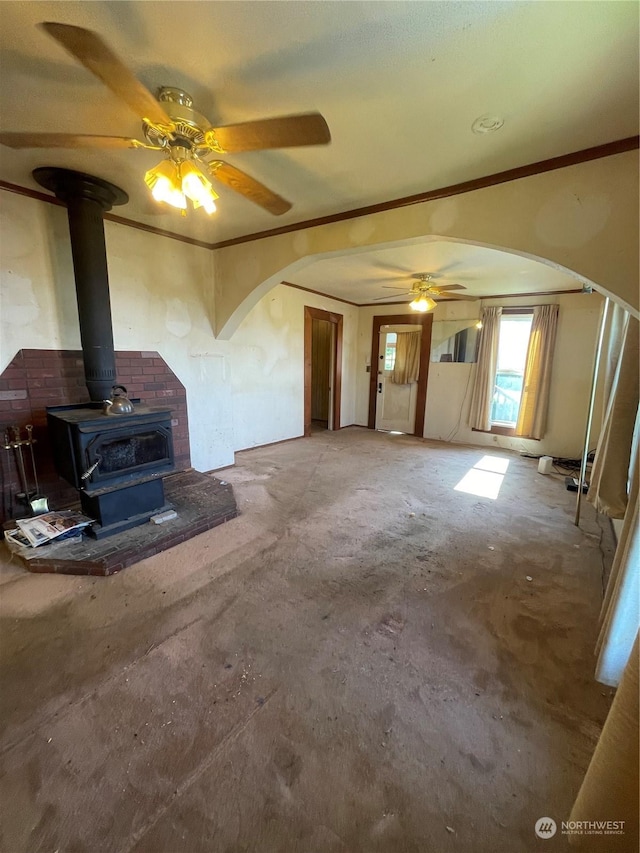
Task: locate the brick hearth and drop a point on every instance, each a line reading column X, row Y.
column 201, row 502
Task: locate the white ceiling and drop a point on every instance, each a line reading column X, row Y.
column 365, row 276
column 399, row 83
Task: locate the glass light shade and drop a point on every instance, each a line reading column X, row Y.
column 422, row 304
column 209, row 206
column 165, row 191
column 173, row 183
column 196, row 187
column 161, row 180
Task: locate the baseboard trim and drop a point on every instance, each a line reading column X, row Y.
column 272, row 444
column 222, row 468
column 269, row 443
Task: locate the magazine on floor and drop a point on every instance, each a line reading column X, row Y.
column 42, row 529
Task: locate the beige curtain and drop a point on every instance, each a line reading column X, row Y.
column 485, row 378
column 614, row 492
column 532, row 417
column 620, row 615
column 407, row 363
column 616, row 327
column 610, row 474
column 610, row 788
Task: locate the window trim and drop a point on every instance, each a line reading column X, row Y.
column 522, row 311
column 498, row 430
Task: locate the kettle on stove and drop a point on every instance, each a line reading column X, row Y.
column 120, row 404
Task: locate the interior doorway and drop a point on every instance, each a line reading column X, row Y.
column 322, row 369
column 392, row 405
column 396, row 405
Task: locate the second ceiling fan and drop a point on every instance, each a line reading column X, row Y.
column 425, row 292
column 171, row 125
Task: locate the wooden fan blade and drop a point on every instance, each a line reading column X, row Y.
column 456, row 296
column 89, row 49
column 283, row 132
column 249, row 188
column 68, row 140
column 390, row 287
column 444, row 287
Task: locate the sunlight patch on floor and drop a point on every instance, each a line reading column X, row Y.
column 485, row 478
column 497, row 464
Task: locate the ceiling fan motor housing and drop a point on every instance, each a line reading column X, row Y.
column 424, row 284
column 189, row 125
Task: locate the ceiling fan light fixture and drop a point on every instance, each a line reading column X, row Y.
column 171, row 124
column 423, row 303
column 174, row 183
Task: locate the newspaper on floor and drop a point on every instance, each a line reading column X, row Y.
column 17, row 543
column 42, row 529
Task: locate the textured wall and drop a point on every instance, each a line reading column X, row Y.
column 240, row 393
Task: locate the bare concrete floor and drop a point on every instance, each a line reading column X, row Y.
column 358, row 663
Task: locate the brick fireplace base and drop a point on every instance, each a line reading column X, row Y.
column 201, row 502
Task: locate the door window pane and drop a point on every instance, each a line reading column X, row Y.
column 512, row 356
column 390, row 350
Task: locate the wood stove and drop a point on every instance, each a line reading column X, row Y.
column 115, row 461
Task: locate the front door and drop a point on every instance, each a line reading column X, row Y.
column 396, row 404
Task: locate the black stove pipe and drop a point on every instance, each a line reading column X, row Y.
column 86, row 199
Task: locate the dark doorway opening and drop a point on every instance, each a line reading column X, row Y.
column 321, row 351
column 322, row 369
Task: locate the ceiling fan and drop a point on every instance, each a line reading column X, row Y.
column 425, row 293
column 170, row 124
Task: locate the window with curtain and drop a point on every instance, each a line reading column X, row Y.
column 513, row 373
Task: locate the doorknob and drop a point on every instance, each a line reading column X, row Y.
column 379, row 387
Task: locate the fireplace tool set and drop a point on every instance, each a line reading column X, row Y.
column 14, row 445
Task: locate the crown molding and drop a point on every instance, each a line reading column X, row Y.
column 320, row 293
column 609, row 149
column 109, row 217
